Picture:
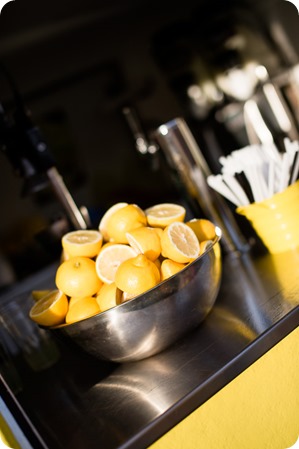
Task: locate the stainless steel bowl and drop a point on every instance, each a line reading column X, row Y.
column 151, row 322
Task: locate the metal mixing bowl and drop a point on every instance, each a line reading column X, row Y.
column 151, row 322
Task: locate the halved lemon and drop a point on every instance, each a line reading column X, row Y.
column 161, row 215
column 85, row 243
column 203, row 228
column 109, row 259
column 78, row 277
column 205, row 245
column 137, row 275
column 103, row 225
column 145, row 240
column 106, row 298
column 51, row 309
column 123, row 220
column 82, row 308
column 169, row 268
column 179, row 243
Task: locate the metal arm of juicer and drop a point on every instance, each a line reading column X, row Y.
column 30, row 157
column 184, row 155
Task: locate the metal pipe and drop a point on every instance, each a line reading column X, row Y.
column 64, row 196
column 186, row 158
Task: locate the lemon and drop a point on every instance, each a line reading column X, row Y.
column 159, row 232
column 203, row 228
column 124, row 220
column 169, row 268
column 137, row 275
column 162, row 215
column 78, row 277
column 86, row 243
column 105, row 218
column 158, row 262
column 106, row 298
column 82, row 308
column 109, row 258
column 179, row 243
column 127, row 296
column 205, row 245
column 38, row 294
column 51, row 309
column 145, row 240
column 64, row 256
column 73, row 299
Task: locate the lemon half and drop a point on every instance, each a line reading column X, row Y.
column 51, row 309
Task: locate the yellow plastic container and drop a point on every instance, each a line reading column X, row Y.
column 276, row 220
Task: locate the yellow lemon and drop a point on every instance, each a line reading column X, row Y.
column 161, row 215
column 51, row 309
column 205, row 245
column 124, row 220
column 126, row 296
column 179, row 243
column 105, row 218
column 82, row 308
column 64, row 256
column 78, row 277
column 86, row 243
column 109, row 259
column 73, row 299
column 158, row 262
column 145, row 240
column 137, row 275
column 169, row 268
column 159, row 232
column 203, row 228
column 106, row 298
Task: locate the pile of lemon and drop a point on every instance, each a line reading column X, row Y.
column 132, row 251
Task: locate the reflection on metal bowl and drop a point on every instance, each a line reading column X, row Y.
column 151, row 322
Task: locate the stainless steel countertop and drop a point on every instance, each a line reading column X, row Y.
column 83, row 403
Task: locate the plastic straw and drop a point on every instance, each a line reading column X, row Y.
column 256, row 172
column 294, row 169
column 285, row 172
column 216, row 182
column 236, row 188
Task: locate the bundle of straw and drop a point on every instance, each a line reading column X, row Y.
column 256, row 172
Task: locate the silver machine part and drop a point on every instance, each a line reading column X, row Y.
column 79, row 219
column 185, row 157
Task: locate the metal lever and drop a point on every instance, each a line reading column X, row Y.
column 143, row 145
column 62, row 193
column 29, row 154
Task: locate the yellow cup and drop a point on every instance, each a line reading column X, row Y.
column 276, row 220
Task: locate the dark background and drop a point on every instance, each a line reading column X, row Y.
column 78, row 63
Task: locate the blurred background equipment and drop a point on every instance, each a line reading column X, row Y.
column 31, row 158
column 230, row 70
